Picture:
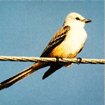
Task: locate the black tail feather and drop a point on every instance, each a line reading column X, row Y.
column 51, row 70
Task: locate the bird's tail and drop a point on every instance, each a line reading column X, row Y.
column 7, row 83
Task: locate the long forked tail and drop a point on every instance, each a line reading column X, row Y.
column 7, row 83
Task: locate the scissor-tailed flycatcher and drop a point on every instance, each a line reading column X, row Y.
column 66, row 43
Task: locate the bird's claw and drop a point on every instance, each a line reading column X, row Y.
column 79, row 60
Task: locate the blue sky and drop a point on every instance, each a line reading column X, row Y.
column 25, row 30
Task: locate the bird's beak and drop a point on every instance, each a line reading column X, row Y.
column 87, row 21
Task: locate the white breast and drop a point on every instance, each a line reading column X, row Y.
column 74, row 41
column 71, row 45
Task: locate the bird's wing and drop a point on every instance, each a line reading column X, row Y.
column 56, row 40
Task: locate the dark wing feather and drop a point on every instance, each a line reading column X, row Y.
column 56, row 40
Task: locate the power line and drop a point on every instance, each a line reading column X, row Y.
column 56, row 60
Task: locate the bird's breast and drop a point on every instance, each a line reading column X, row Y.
column 71, row 45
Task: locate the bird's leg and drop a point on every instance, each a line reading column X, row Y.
column 57, row 60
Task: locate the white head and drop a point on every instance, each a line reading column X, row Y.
column 75, row 19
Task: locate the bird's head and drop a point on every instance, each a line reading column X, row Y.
column 75, row 19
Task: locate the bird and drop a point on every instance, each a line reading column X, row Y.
column 67, row 42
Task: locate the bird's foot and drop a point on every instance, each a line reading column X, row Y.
column 79, row 59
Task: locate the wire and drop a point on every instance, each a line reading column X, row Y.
column 60, row 60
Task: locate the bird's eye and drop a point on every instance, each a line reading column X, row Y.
column 77, row 18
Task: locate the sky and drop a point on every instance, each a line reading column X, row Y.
column 25, row 30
